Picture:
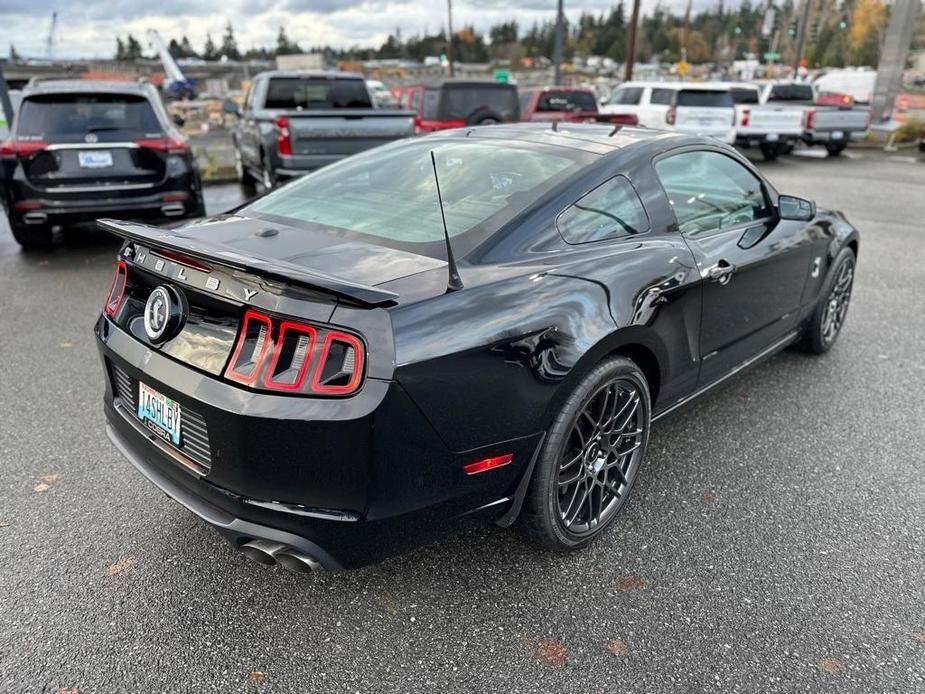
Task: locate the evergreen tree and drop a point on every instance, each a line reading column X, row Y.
column 284, row 46
column 229, row 45
column 186, row 48
column 209, row 51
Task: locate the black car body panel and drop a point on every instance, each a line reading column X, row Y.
column 82, row 149
column 451, row 377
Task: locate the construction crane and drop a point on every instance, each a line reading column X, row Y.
column 50, row 40
column 178, row 86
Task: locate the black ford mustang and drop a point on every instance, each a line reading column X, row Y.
column 311, row 376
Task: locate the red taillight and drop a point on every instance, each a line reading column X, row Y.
column 170, row 145
column 292, row 356
column 287, row 356
column 671, row 115
column 12, row 149
column 746, row 115
column 27, row 205
column 251, row 349
column 283, row 136
column 340, row 367
column 488, row 464
column 810, row 119
column 116, row 290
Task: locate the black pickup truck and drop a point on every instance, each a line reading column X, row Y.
column 296, row 122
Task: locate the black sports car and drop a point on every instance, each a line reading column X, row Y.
column 80, row 149
column 357, row 363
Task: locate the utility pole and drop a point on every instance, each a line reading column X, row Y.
column 557, row 45
column 801, row 35
column 631, row 43
column 449, row 38
column 903, row 20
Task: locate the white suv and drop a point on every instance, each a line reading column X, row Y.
column 688, row 107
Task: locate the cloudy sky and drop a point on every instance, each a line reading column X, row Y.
column 87, row 28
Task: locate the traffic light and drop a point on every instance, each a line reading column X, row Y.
column 814, row 30
column 794, row 28
column 843, row 23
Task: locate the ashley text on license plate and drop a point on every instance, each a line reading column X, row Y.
column 159, row 413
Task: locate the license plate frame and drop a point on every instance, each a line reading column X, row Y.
column 95, row 159
column 837, row 135
column 160, row 414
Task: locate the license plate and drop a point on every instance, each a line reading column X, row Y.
column 94, row 160
column 159, row 413
column 837, row 135
column 773, row 137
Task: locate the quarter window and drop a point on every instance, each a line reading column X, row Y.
column 611, row 210
column 710, row 192
column 662, row 96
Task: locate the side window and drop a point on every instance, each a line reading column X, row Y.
column 626, row 96
column 611, row 210
column 662, row 96
column 525, row 98
column 709, row 192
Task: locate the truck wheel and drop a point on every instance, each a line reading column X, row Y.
column 769, row 151
column 32, row 237
column 244, row 177
column 835, row 148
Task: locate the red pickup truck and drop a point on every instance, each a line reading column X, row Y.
column 566, row 105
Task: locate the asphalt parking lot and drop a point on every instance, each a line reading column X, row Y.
column 775, row 541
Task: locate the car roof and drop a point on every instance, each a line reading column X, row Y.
column 698, row 86
column 79, row 86
column 552, row 87
column 310, row 73
column 588, row 137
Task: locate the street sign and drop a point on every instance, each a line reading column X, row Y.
column 771, row 55
column 501, row 76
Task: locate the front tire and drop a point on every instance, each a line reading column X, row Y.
column 828, row 317
column 588, row 463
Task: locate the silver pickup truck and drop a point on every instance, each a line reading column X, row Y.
column 774, row 128
column 294, row 122
column 831, row 126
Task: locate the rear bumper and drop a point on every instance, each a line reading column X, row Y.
column 813, row 137
column 727, row 135
column 348, row 482
column 753, row 139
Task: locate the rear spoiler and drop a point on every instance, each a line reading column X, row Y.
column 176, row 240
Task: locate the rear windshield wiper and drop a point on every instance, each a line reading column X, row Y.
column 103, row 128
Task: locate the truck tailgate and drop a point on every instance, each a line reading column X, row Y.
column 782, row 120
column 844, row 120
column 347, row 132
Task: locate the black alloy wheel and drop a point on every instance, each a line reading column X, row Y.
column 590, row 458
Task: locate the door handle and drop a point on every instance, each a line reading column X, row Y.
column 721, row 272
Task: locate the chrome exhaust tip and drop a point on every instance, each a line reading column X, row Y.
column 298, row 562
column 35, row 218
column 173, row 209
column 262, row 551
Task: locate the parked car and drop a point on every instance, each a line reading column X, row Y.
column 82, row 149
column 566, row 105
column 830, row 126
column 382, row 95
column 458, row 103
column 773, row 128
column 685, row 107
column 316, row 377
column 297, row 121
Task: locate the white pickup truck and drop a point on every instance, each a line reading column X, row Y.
column 774, row 128
column 831, row 126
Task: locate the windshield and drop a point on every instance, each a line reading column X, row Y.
column 109, row 117
column 388, row 195
column 702, row 97
column 297, row 93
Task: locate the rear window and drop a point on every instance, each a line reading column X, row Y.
column 316, row 93
column 661, row 96
column 461, row 103
column 742, row 95
column 567, row 101
column 791, row 92
column 702, row 97
column 388, row 196
column 108, row 117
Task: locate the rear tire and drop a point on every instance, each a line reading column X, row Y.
column 32, row 237
column 831, row 309
column 769, row 151
column 589, row 460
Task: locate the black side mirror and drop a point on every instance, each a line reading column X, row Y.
column 179, row 120
column 798, row 209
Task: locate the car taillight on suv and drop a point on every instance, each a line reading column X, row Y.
column 746, row 116
column 16, row 149
column 671, row 115
column 288, row 356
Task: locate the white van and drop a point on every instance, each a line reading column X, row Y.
column 857, row 83
column 687, row 107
